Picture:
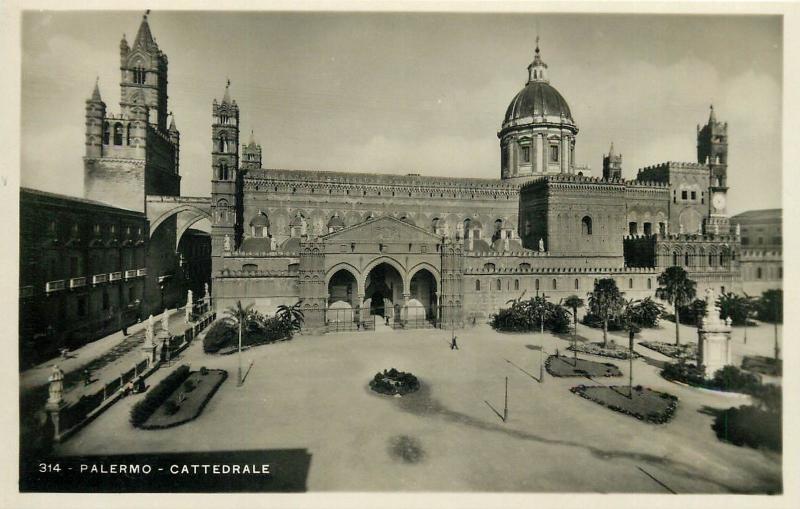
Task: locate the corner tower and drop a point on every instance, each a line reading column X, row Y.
column 251, row 154
column 712, row 151
column 612, row 165
column 225, row 179
column 537, row 136
column 132, row 154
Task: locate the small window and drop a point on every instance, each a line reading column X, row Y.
column 684, row 195
column 106, row 133
column 249, row 267
column 526, row 154
column 648, row 228
column 630, row 283
column 499, row 285
column 577, row 284
column 536, row 283
column 711, row 260
column 675, row 259
column 649, row 284
column 694, row 195
column 139, row 76
column 489, row 267
column 758, row 273
column 554, row 153
column 586, row 225
column 555, row 285
column 686, row 259
column 477, row 285
column 117, row 134
column 516, row 284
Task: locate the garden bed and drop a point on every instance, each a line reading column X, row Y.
column 611, row 350
column 645, row 404
column 686, row 351
column 393, row 382
column 188, row 400
column 562, row 366
column 763, row 365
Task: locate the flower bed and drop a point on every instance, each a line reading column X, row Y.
column 612, row 350
column 644, row 404
column 188, row 400
column 567, row 366
column 686, row 351
column 393, row 382
column 156, row 396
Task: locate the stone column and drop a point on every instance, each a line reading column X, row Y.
column 359, row 308
column 714, row 338
column 539, row 163
column 564, row 152
column 55, row 401
column 513, row 167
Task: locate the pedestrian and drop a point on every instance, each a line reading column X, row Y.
column 87, row 376
column 454, row 343
column 125, row 329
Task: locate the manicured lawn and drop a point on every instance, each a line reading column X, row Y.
column 190, row 402
column 567, row 366
column 612, row 350
column 642, row 403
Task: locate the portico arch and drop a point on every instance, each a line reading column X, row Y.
column 391, row 262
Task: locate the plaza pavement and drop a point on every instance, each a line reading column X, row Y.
column 312, row 393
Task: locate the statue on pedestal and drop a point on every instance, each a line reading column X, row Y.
column 227, row 243
column 189, row 306
column 165, row 321
column 149, row 331
column 56, row 388
column 541, row 245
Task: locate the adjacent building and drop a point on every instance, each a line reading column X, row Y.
column 762, row 249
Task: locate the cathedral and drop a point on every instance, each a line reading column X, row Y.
column 360, row 249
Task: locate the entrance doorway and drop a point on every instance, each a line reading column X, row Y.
column 384, row 287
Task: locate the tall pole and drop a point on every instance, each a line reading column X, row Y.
column 505, row 405
column 630, row 365
column 240, row 353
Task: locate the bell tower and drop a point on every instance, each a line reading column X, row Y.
column 225, row 179
column 712, row 151
column 144, row 76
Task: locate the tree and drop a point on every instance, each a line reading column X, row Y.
column 737, row 307
column 239, row 316
column 606, row 302
column 770, row 309
column 292, row 315
column 676, row 288
column 540, row 310
column 574, row 302
column 644, row 313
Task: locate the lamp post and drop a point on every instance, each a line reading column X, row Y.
column 239, row 384
column 630, row 362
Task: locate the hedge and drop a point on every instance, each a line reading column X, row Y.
column 142, row 410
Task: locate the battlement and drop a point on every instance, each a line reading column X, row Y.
column 668, row 165
column 563, row 270
column 228, row 273
column 699, row 237
column 260, row 254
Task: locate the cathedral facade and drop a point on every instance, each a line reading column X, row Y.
column 448, row 249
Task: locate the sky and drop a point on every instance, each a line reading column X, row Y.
column 416, row 93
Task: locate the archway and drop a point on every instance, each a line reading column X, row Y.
column 384, row 288
column 423, row 288
column 342, row 297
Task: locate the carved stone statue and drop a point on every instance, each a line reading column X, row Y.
column 227, row 243
column 738, row 229
column 541, row 245
column 56, row 389
column 205, row 289
column 165, row 321
column 149, row 331
column 189, row 306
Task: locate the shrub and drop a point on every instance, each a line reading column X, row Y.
column 204, row 371
column 684, row 372
column 171, row 407
column 394, row 382
column 142, row 410
column 219, row 335
column 594, row 321
column 521, row 317
column 731, row 378
column 189, row 386
column 769, row 307
column 645, row 313
column 751, row 426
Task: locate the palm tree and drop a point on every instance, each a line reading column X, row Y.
column 239, row 315
column 292, row 315
column 676, row 288
column 606, row 302
column 540, row 310
column 574, row 302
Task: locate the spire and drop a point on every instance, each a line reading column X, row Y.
column 712, row 119
column 537, row 68
column 123, row 44
column 172, row 126
column 96, row 92
column 226, row 99
column 144, row 38
column 252, row 138
column 611, row 150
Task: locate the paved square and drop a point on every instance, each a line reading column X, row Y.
column 312, row 393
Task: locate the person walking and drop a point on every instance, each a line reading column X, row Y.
column 454, row 344
column 87, row 376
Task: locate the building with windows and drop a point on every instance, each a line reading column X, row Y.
column 762, row 249
column 82, row 271
column 355, row 246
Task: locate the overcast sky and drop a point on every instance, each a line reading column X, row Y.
column 421, row 93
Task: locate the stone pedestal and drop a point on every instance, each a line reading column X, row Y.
column 713, row 338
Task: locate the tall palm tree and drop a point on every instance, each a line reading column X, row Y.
column 606, row 302
column 574, row 302
column 292, row 315
column 239, row 315
column 675, row 287
column 540, row 310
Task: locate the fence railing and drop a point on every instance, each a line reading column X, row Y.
column 447, row 316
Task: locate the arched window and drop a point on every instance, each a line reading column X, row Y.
column 577, row 285
column 710, row 259
column 477, row 285
column 555, row 284
column 222, row 142
column 516, row 284
column 675, row 258
column 536, row 283
column 139, row 75
column 649, row 284
column 489, row 267
column 128, row 135
column 630, row 283
column 586, row 225
column 759, row 273
column 117, row 134
column 686, row 259
column 524, row 266
column 106, row 133
column 721, row 260
column 499, row 285
column 249, row 267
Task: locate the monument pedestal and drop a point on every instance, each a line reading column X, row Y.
column 714, row 339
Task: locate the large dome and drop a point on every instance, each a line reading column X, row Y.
column 537, row 99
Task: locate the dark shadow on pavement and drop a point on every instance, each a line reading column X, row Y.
column 495, row 410
column 519, row 368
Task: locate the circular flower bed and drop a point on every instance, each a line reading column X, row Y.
column 642, row 403
column 393, row 382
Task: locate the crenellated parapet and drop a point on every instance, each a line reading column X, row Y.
column 231, row 273
column 561, row 270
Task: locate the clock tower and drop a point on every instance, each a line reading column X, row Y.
column 712, row 150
